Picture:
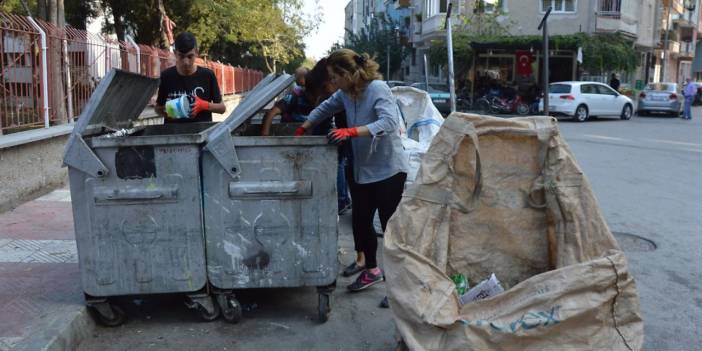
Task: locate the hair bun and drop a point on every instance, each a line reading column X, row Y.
column 360, row 59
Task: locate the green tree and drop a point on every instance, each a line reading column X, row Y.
column 477, row 27
column 380, row 38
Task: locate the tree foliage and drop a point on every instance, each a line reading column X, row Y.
column 602, row 52
column 266, row 34
column 380, row 38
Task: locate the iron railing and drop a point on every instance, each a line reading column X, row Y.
column 76, row 61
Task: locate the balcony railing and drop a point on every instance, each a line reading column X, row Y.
column 609, row 8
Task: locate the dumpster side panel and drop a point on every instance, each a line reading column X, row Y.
column 276, row 225
column 139, row 230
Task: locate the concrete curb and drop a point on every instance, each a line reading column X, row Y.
column 65, row 333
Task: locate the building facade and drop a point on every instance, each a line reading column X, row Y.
column 644, row 22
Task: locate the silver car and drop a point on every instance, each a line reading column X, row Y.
column 660, row 98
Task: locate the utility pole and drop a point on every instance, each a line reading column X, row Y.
column 426, row 73
column 449, row 45
column 665, row 41
column 544, row 26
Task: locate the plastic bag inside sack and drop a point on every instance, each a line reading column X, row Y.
column 422, row 123
column 421, row 117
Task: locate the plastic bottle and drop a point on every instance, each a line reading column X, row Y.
column 461, row 283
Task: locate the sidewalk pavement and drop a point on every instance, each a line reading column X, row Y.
column 41, row 300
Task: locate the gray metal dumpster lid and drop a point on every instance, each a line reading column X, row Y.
column 219, row 141
column 118, row 100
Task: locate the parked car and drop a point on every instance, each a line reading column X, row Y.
column 698, row 97
column 440, row 97
column 396, row 83
column 660, row 98
column 582, row 100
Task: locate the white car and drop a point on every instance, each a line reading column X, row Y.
column 580, row 100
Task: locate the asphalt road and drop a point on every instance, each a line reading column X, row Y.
column 647, row 175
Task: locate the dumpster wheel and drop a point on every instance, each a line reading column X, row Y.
column 324, row 307
column 206, row 307
column 108, row 314
column 230, row 306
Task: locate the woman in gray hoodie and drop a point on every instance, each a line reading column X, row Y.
column 379, row 161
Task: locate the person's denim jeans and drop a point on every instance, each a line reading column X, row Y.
column 687, row 109
column 342, row 189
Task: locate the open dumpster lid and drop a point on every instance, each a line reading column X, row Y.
column 118, row 100
column 219, row 141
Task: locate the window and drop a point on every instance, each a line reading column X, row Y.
column 661, row 87
column 490, row 6
column 605, row 90
column 559, row 89
column 443, row 6
column 588, row 89
column 414, row 56
column 434, row 7
column 558, row 5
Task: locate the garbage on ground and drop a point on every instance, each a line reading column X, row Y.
column 486, row 288
column 120, row 133
column 461, row 283
column 507, row 197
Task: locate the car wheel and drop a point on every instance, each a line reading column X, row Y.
column 483, row 107
column 626, row 112
column 581, row 113
column 522, row 109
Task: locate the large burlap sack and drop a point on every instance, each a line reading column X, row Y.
column 506, row 196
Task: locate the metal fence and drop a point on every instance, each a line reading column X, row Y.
column 39, row 60
column 610, row 8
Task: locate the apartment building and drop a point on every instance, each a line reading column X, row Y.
column 644, row 22
column 360, row 14
column 677, row 42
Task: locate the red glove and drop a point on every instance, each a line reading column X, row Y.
column 199, row 105
column 336, row 136
column 300, row 131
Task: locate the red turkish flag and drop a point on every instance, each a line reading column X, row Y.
column 524, row 60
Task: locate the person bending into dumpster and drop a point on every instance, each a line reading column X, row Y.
column 380, row 164
column 297, row 104
column 186, row 78
column 320, row 88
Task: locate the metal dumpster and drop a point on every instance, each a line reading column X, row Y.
column 270, row 208
column 137, row 200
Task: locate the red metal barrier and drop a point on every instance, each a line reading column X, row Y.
column 83, row 59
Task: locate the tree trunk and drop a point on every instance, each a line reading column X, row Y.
column 56, row 68
column 41, row 9
column 164, row 36
column 52, row 11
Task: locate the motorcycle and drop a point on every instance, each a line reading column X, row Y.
column 491, row 104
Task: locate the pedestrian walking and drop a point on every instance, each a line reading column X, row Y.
column 689, row 93
column 199, row 84
column 614, row 82
column 379, row 162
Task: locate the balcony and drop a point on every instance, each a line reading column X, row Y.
column 687, row 51
column 433, row 26
column 673, row 47
column 675, row 5
column 609, row 9
column 611, row 19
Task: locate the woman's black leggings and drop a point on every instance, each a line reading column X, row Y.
column 383, row 196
